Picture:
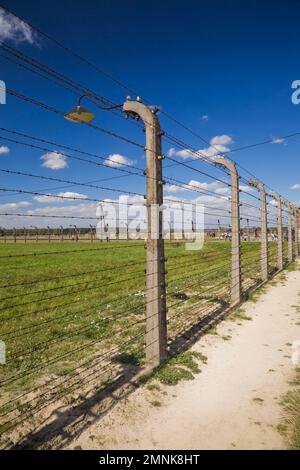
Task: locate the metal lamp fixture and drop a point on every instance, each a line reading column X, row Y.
column 81, row 114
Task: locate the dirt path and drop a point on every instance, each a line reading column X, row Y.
column 233, row 402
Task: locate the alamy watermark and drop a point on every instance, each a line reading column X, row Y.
column 296, row 352
column 295, row 97
column 126, row 219
column 2, row 352
column 2, row 92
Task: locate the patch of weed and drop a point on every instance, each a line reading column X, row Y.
column 258, row 400
column 199, row 355
column 281, row 428
column 181, row 367
column 293, row 267
column 152, row 387
column 155, row 403
column 239, row 314
column 291, row 405
column 212, row 331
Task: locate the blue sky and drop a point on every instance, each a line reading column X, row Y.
column 221, row 68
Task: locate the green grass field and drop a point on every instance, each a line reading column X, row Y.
column 71, row 308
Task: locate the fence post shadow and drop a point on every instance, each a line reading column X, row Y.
column 61, row 427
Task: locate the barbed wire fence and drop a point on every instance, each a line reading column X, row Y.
column 77, row 319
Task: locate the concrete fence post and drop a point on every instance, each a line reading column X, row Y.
column 264, row 228
column 171, row 231
column 290, row 239
column 296, row 221
column 248, row 231
column 91, row 233
column 235, row 229
column 156, row 321
column 279, row 232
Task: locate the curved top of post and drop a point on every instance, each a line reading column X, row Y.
column 141, row 110
column 257, row 184
column 229, row 164
column 275, row 196
column 286, row 203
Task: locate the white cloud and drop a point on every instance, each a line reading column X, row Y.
column 277, row 140
column 3, row 149
column 215, row 208
column 54, row 161
column 273, row 202
column 60, row 197
column 11, row 28
column 216, row 205
column 173, row 188
column 218, row 144
column 295, row 186
column 75, row 195
column 203, row 185
column 246, row 189
column 225, row 190
column 14, row 205
column 116, row 160
column 212, row 201
column 135, row 199
column 204, row 117
column 45, row 199
column 194, row 185
column 81, row 209
column 186, row 153
column 221, row 139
